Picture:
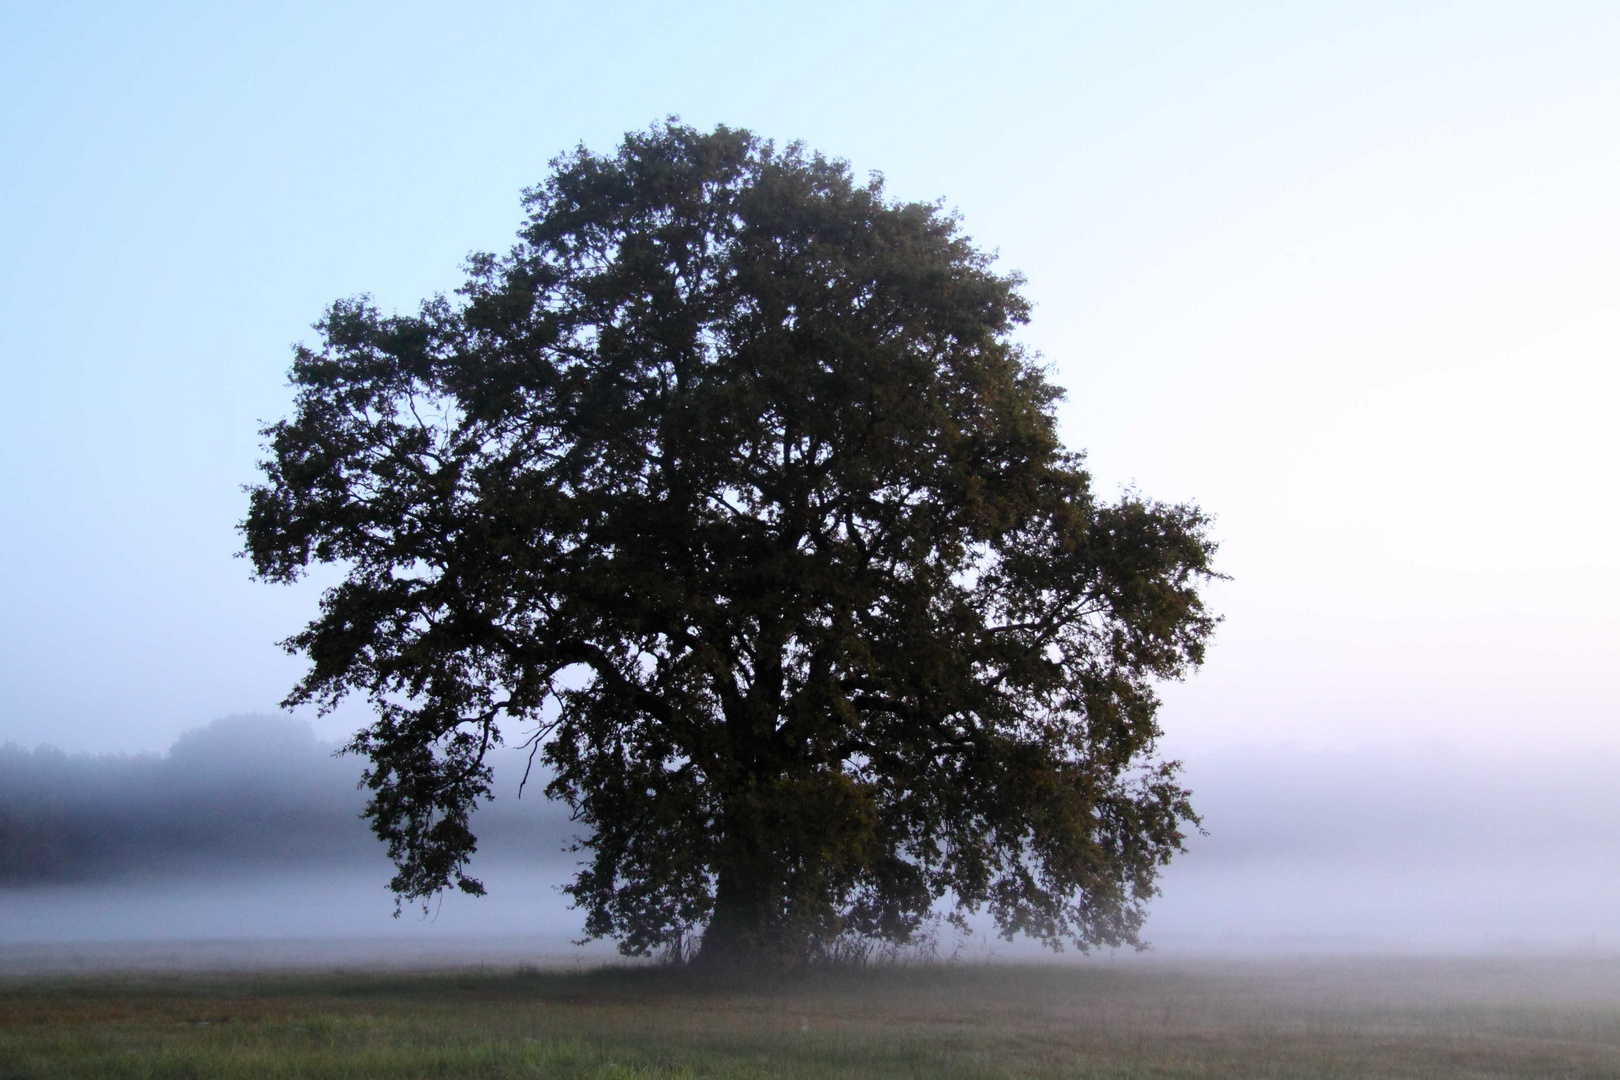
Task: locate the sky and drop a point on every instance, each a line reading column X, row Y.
column 1344, row 274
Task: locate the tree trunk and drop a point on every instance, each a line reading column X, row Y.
column 742, row 932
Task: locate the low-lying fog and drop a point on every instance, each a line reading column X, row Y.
column 249, row 829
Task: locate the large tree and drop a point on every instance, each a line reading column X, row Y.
column 730, row 486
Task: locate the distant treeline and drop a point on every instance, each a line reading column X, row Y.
column 257, row 791
column 244, row 791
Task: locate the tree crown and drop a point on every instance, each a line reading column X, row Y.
column 730, row 486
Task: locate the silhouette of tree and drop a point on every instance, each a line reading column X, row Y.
column 730, row 487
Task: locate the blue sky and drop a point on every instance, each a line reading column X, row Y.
column 1344, row 273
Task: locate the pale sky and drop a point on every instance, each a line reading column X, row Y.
column 1348, row 275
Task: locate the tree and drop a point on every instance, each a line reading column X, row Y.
column 731, row 489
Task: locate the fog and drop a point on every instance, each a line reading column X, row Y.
column 248, row 830
column 1426, row 848
column 245, row 795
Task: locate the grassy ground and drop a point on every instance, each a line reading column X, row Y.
column 1345, row 1018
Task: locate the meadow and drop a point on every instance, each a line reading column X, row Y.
column 1326, row 1018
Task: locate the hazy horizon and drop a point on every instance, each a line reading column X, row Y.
column 249, row 829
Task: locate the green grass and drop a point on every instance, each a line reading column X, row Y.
column 1362, row 1019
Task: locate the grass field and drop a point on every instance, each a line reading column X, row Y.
column 1343, row 1018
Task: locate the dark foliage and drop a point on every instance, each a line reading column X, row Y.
column 730, row 487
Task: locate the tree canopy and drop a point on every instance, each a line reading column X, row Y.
column 731, row 488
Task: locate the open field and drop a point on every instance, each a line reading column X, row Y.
column 1379, row 1018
